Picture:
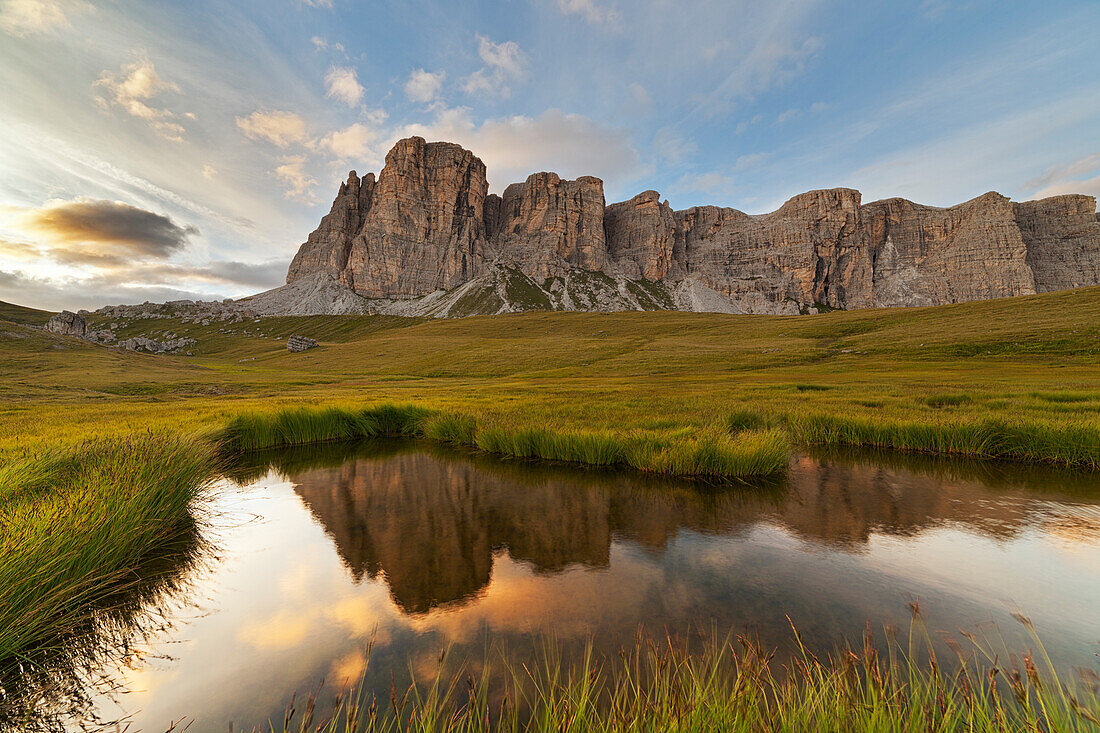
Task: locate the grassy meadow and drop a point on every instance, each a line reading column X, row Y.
column 105, row 454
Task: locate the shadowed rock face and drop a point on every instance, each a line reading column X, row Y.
column 1062, row 235
column 928, row 256
column 429, row 225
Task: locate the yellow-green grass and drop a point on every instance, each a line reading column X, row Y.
column 731, row 685
column 674, row 393
column 928, row 379
column 22, row 314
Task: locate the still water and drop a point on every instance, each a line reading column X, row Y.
column 320, row 553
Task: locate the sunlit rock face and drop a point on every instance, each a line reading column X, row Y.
column 429, row 227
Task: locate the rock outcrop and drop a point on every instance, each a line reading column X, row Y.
column 67, row 323
column 547, row 226
column 928, row 256
column 1062, row 236
column 427, row 239
column 420, row 228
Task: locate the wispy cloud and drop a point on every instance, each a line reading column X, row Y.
column 133, row 89
column 424, row 86
column 342, row 84
column 23, row 18
column 505, row 63
column 1077, row 176
column 274, row 126
column 593, row 11
column 291, row 172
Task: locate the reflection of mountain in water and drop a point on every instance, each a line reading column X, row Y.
column 430, row 521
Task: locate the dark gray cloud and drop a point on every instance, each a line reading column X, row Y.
column 91, row 293
column 139, row 282
column 97, row 231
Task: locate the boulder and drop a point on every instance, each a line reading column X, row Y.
column 300, row 343
column 67, row 323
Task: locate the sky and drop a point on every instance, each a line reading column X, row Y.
column 155, row 150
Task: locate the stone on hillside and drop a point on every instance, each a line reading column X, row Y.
column 300, row 343
column 68, row 323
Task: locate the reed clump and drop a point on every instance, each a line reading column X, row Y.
column 1072, row 443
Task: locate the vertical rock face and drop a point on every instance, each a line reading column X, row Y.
column 429, row 224
column 640, row 234
column 546, row 225
column 809, row 251
column 326, row 249
column 1062, row 234
column 425, row 229
column 927, row 256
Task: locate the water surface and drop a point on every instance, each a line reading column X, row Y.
column 322, row 552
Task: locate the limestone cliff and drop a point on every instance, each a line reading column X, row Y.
column 1062, row 236
column 428, row 239
column 927, row 256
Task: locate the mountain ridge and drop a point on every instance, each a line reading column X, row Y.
column 427, row 226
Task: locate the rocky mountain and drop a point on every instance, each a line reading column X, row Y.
column 428, row 239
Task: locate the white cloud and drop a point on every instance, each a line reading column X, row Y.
column 274, row 126
column 133, row 90
column 513, row 147
column 424, row 86
column 504, row 63
column 590, row 10
column 39, row 17
column 297, row 183
column 788, row 115
column 1069, row 177
column 353, row 142
column 317, row 3
column 209, row 172
column 771, row 62
column 342, row 83
column 323, row 44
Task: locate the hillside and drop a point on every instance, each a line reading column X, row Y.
column 1028, row 358
column 22, row 314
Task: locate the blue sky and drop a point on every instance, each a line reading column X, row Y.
column 157, row 150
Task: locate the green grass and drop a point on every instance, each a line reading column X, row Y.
column 729, row 685
column 1065, row 443
column 21, row 314
column 76, row 524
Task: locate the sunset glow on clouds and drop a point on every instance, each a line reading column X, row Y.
column 174, row 150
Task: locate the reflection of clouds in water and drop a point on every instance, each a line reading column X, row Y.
column 416, row 551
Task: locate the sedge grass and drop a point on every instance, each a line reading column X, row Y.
column 74, row 526
column 1073, row 443
column 728, row 685
column 710, row 452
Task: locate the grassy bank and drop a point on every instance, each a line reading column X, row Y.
column 77, row 525
column 731, row 686
column 711, row 453
column 1016, row 378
